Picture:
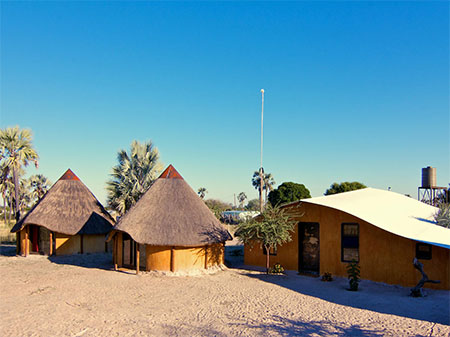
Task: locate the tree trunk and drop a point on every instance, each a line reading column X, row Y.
column 417, row 290
column 267, row 258
column 10, row 208
column 16, row 193
column 4, row 206
column 261, row 186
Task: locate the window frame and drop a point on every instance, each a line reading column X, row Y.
column 426, row 256
column 342, row 240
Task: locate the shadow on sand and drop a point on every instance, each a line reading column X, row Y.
column 94, row 260
column 374, row 296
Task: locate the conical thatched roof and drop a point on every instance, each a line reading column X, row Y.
column 170, row 213
column 68, row 208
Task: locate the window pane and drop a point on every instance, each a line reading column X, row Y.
column 350, row 254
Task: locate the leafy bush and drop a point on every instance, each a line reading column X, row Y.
column 442, row 216
column 277, row 269
column 353, row 272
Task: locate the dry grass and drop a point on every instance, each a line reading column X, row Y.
column 5, row 235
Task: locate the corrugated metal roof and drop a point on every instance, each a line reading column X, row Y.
column 391, row 212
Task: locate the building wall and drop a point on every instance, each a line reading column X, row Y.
column 67, row 244
column 166, row 258
column 383, row 256
column 95, row 244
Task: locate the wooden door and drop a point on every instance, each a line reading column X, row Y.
column 309, row 247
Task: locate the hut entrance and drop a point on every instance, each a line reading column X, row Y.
column 308, row 247
column 34, row 238
column 128, row 251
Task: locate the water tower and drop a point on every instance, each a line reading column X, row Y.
column 429, row 192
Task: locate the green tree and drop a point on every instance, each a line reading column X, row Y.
column 288, row 192
column 268, row 182
column 202, row 192
column 270, row 229
column 39, row 185
column 17, row 150
column 252, row 205
column 346, row 186
column 132, row 176
column 218, row 206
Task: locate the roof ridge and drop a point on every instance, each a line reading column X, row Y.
column 170, row 173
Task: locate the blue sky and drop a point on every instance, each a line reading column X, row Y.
column 354, row 91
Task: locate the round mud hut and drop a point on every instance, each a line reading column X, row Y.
column 67, row 220
column 169, row 229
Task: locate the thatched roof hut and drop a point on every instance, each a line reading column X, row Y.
column 69, row 208
column 171, row 214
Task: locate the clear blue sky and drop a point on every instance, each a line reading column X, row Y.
column 354, row 90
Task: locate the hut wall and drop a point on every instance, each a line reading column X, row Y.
column 44, row 240
column 188, row 258
column 383, row 256
column 94, row 243
column 23, row 241
column 158, row 258
column 215, row 254
column 67, row 244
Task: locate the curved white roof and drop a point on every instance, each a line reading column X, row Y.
column 391, row 212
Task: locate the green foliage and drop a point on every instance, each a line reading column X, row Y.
column 16, row 151
column 218, row 206
column 336, row 188
column 252, row 205
column 327, row 277
column 288, row 192
column 241, row 198
column 277, row 269
column 39, row 185
column 132, row 176
column 271, row 228
column 442, row 216
column 353, row 272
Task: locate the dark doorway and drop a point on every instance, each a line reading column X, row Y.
column 34, row 237
column 128, row 251
column 308, row 248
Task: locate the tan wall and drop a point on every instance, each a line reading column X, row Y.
column 215, row 254
column 94, row 243
column 384, row 257
column 158, row 258
column 188, row 258
column 67, row 244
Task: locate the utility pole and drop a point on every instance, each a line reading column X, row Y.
column 261, row 170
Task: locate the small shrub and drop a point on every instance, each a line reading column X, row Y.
column 353, row 272
column 327, row 277
column 277, row 269
column 442, row 216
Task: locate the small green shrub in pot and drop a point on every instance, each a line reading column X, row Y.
column 353, row 272
column 277, row 269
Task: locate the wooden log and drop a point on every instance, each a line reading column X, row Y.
column 27, row 245
column 137, row 258
column 51, row 243
column 172, row 259
column 81, row 244
column 417, row 291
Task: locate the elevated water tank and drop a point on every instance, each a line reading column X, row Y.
column 429, row 177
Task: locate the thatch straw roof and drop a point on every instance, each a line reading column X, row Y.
column 68, row 208
column 170, row 213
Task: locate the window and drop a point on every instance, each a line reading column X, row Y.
column 272, row 251
column 350, row 242
column 423, row 251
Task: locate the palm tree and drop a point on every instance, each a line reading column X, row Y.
column 268, row 182
column 202, row 192
column 17, row 151
column 39, row 185
column 6, row 185
column 132, row 176
column 241, row 198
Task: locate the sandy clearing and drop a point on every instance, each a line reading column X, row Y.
column 82, row 296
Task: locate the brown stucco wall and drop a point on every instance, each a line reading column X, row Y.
column 384, row 257
column 158, row 258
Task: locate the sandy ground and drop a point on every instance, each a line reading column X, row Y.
column 82, row 296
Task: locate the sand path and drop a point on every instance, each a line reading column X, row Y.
column 81, row 296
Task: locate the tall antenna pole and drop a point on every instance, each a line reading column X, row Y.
column 261, row 170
